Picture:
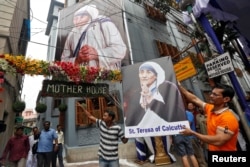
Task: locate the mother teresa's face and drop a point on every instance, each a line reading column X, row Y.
column 147, row 77
column 81, row 20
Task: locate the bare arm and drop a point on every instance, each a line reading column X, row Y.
column 56, row 145
column 191, row 97
column 124, row 140
column 218, row 139
column 87, row 112
column 56, row 141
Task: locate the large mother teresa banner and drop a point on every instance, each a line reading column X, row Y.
column 153, row 105
column 92, row 33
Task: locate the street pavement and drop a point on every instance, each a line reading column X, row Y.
column 124, row 163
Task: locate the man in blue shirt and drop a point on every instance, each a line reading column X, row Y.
column 195, row 143
column 45, row 145
column 191, row 120
column 183, row 145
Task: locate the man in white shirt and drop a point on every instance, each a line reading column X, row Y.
column 31, row 159
column 59, row 152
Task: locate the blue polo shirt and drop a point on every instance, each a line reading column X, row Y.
column 45, row 143
column 191, row 118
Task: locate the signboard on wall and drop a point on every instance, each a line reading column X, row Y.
column 71, row 89
column 184, row 69
column 219, row 65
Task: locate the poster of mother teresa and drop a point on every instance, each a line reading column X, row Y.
column 153, row 105
column 92, row 33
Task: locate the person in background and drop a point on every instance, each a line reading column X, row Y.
column 45, row 145
column 110, row 133
column 192, row 108
column 16, row 150
column 94, row 41
column 183, row 145
column 32, row 160
column 222, row 126
column 201, row 126
column 59, row 152
column 198, row 153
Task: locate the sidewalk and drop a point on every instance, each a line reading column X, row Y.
column 123, row 163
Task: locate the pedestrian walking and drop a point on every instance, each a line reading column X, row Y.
column 16, row 150
column 32, row 159
column 45, row 145
column 59, row 153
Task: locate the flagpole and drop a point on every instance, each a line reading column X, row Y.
column 187, row 5
column 209, row 30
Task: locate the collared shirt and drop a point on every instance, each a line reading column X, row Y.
column 109, row 138
column 45, row 143
column 223, row 120
column 60, row 137
column 17, row 147
column 191, row 119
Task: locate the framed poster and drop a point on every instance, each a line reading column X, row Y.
column 153, row 105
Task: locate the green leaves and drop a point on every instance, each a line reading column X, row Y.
column 41, row 108
column 18, row 106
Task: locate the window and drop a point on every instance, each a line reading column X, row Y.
column 182, row 28
column 56, row 103
column 167, row 50
column 24, row 36
column 155, row 14
column 96, row 106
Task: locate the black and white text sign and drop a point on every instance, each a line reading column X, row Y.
column 219, row 65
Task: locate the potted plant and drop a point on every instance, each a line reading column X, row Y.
column 41, row 108
column 18, row 106
column 62, row 107
column 19, row 120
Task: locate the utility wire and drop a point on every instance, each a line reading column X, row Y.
column 136, row 17
column 139, row 18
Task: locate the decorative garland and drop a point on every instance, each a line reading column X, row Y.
column 63, row 71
